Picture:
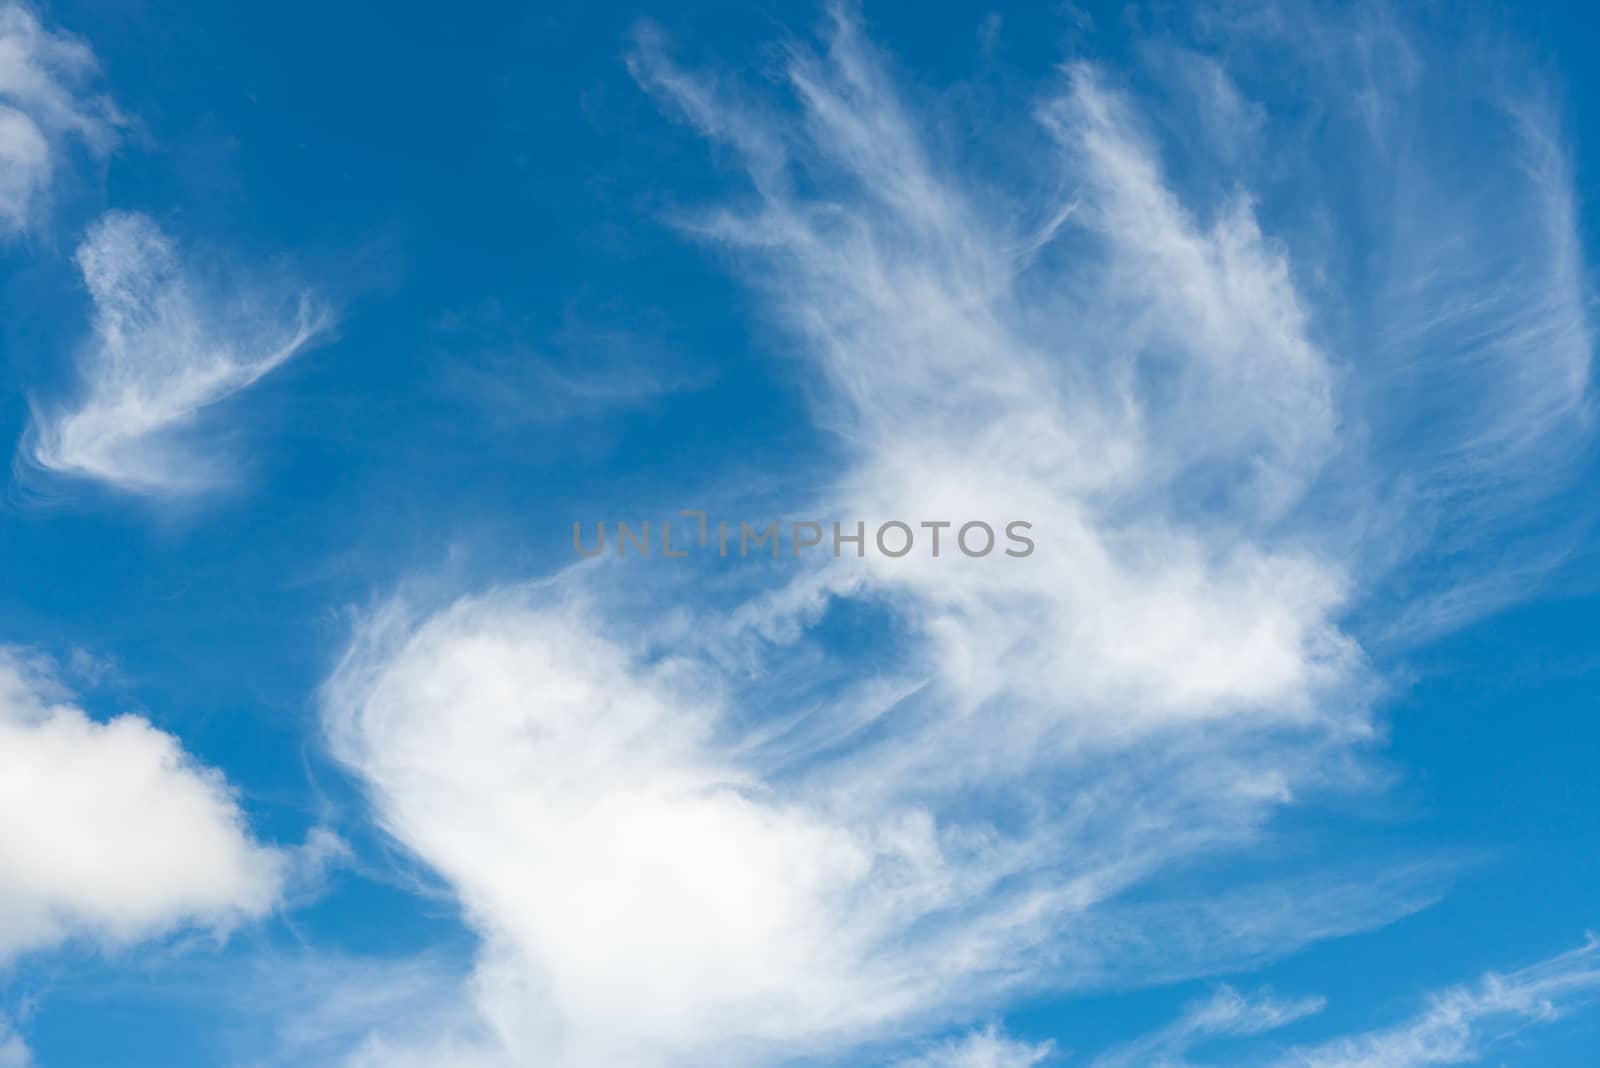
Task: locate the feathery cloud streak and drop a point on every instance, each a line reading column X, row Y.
column 1463, row 1024
column 164, row 348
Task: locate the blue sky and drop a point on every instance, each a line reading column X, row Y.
column 323, row 325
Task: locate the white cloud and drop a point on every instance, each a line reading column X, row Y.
column 654, row 886
column 1227, row 1013
column 983, row 1049
column 165, row 347
column 1440, row 214
column 43, row 104
column 111, row 832
column 657, row 903
column 1153, row 403
column 675, row 852
column 1461, row 1025
column 14, row 1052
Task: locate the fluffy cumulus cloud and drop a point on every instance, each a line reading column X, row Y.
column 655, row 901
column 45, row 104
column 111, row 832
column 677, row 850
column 165, row 346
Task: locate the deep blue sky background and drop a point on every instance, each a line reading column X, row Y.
column 474, row 183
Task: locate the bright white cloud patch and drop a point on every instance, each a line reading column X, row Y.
column 656, row 887
column 677, row 854
column 109, row 831
column 655, row 903
column 43, row 105
column 165, row 347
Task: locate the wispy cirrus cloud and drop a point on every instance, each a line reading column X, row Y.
column 982, row 1049
column 1464, row 1024
column 166, row 345
column 1440, row 217
column 1226, row 1014
column 1461, row 1025
column 676, row 852
column 45, row 103
column 497, row 369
